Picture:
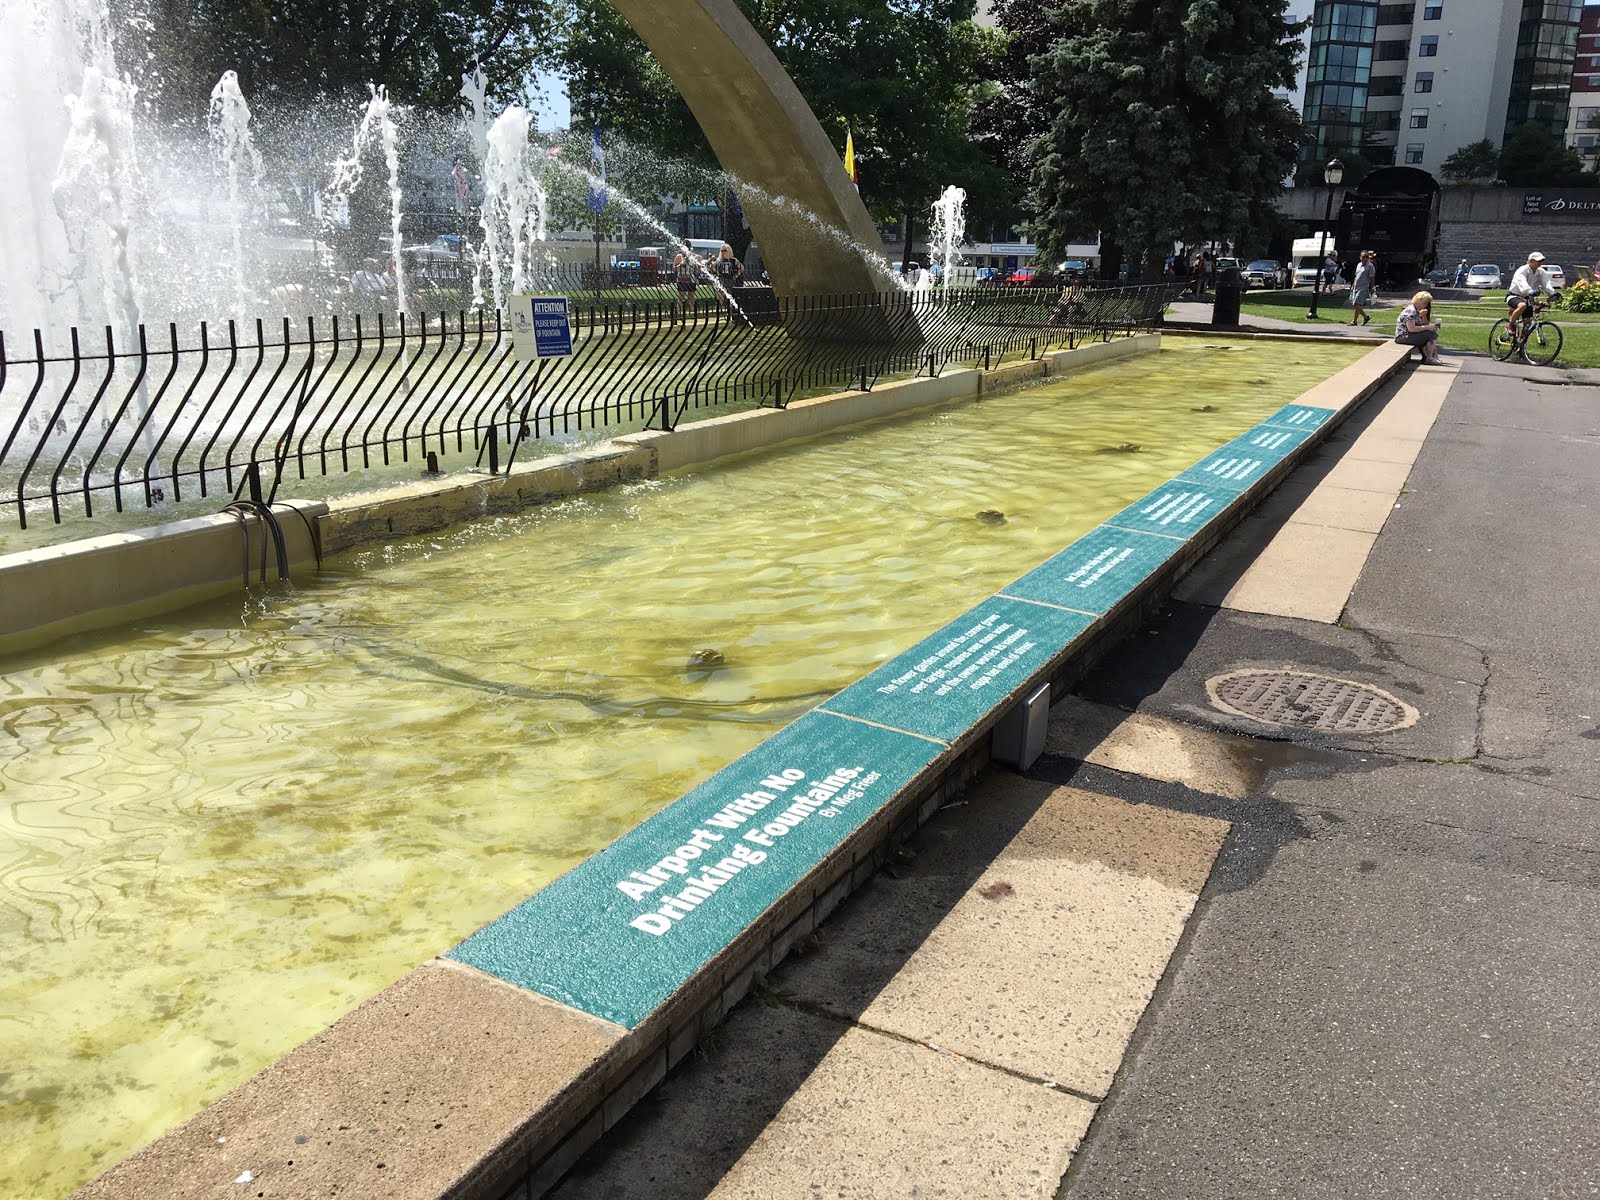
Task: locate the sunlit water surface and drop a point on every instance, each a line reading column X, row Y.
column 223, row 828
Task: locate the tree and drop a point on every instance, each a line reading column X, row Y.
column 1473, row 162
column 1164, row 126
column 291, row 52
column 1533, row 156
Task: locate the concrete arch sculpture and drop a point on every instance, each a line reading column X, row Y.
column 763, row 131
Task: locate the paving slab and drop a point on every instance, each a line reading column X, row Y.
column 1360, row 473
column 1153, row 747
column 403, row 1099
column 1377, row 446
column 788, row 1104
column 1286, row 569
column 1328, row 506
column 1057, row 911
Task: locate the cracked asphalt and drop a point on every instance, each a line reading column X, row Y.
column 1389, row 988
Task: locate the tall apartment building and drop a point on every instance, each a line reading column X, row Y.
column 1583, row 115
column 1411, row 83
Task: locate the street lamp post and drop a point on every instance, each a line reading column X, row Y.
column 1332, row 175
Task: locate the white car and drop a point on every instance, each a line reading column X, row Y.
column 1484, row 275
column 1558, row 277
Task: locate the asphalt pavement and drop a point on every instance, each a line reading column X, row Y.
column 1388, row 987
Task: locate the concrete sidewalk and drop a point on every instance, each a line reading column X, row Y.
column 1248, row 959
column 1388, row 986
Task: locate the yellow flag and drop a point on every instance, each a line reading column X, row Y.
column 850, row 159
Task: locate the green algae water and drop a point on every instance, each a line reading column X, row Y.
column 223, row 828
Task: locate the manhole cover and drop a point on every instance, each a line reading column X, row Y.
column 1305, row 701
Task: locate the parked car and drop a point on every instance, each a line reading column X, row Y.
column 990, row 276
column 1484, row 275
column 1074, row 269
column 1558, row 277
column 446, row 248
column 1222, row 264
column 1439, row 277
column 1266, row 273
column 1031, row 277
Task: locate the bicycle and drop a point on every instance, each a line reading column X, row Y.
column 1537, row 340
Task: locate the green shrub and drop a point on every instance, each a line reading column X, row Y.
column 1583, row 296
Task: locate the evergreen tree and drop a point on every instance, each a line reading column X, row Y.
column 1163, row 125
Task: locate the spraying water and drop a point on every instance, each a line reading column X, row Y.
column 229, row 125
column 475, row 101
column 377, row 119
column 514, row 202
column 946, row 230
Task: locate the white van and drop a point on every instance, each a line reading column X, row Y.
column 1309, row 255
column 705, row 248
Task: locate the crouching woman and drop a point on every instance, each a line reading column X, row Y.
column 1416, row 327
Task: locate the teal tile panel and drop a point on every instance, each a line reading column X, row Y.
column 1300, row 416
column 619, row 933
column 1179, row 509
column 1241, row 463
column 947, row 683
column 1096, row 571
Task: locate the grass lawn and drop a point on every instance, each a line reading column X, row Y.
column 1466, row 323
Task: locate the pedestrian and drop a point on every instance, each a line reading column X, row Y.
column 684, row 276
column 1197, row 274
column 1330, row 272
column 1461, row 273
column 1362, row 286
column 1416, row 327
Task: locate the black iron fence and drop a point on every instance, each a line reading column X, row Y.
column 112, row 423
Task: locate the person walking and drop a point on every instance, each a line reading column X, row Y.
column 1362, row 286
column 1461, row 273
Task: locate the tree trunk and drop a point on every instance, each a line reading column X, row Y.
column 911, row 237
column 1110, row 261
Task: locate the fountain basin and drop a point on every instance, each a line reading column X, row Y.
column 829, row 488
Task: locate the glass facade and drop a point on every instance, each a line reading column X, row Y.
column 1337, row 73
column 1541, row 73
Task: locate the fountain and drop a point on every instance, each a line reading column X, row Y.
column 946, row 230
column 229, row 123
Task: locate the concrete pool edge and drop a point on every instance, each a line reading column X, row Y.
column 51, row 591
column 368, row 1090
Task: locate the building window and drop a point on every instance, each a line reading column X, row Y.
column 1386, row 85
column 1397, row 14
column 1432, row 12
column 1413, row 153
column 1429, row 46
column 1389, row 51
column 1419, row 118
column 1424, row 81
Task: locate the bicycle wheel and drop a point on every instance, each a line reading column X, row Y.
column 1542, row 345
column 1502, row 341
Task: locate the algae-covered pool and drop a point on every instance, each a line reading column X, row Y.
column 223, row 828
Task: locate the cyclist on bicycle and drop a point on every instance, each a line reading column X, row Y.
column 1526, row 286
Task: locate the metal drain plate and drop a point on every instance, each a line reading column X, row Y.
column 1301, row 700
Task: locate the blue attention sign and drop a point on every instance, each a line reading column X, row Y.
column 624, row 929
column 541, row 327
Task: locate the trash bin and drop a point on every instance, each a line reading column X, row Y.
column 1230, row 288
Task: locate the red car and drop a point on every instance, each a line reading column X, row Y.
column 1030, row 277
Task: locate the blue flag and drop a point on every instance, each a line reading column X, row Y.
column 597, row 168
